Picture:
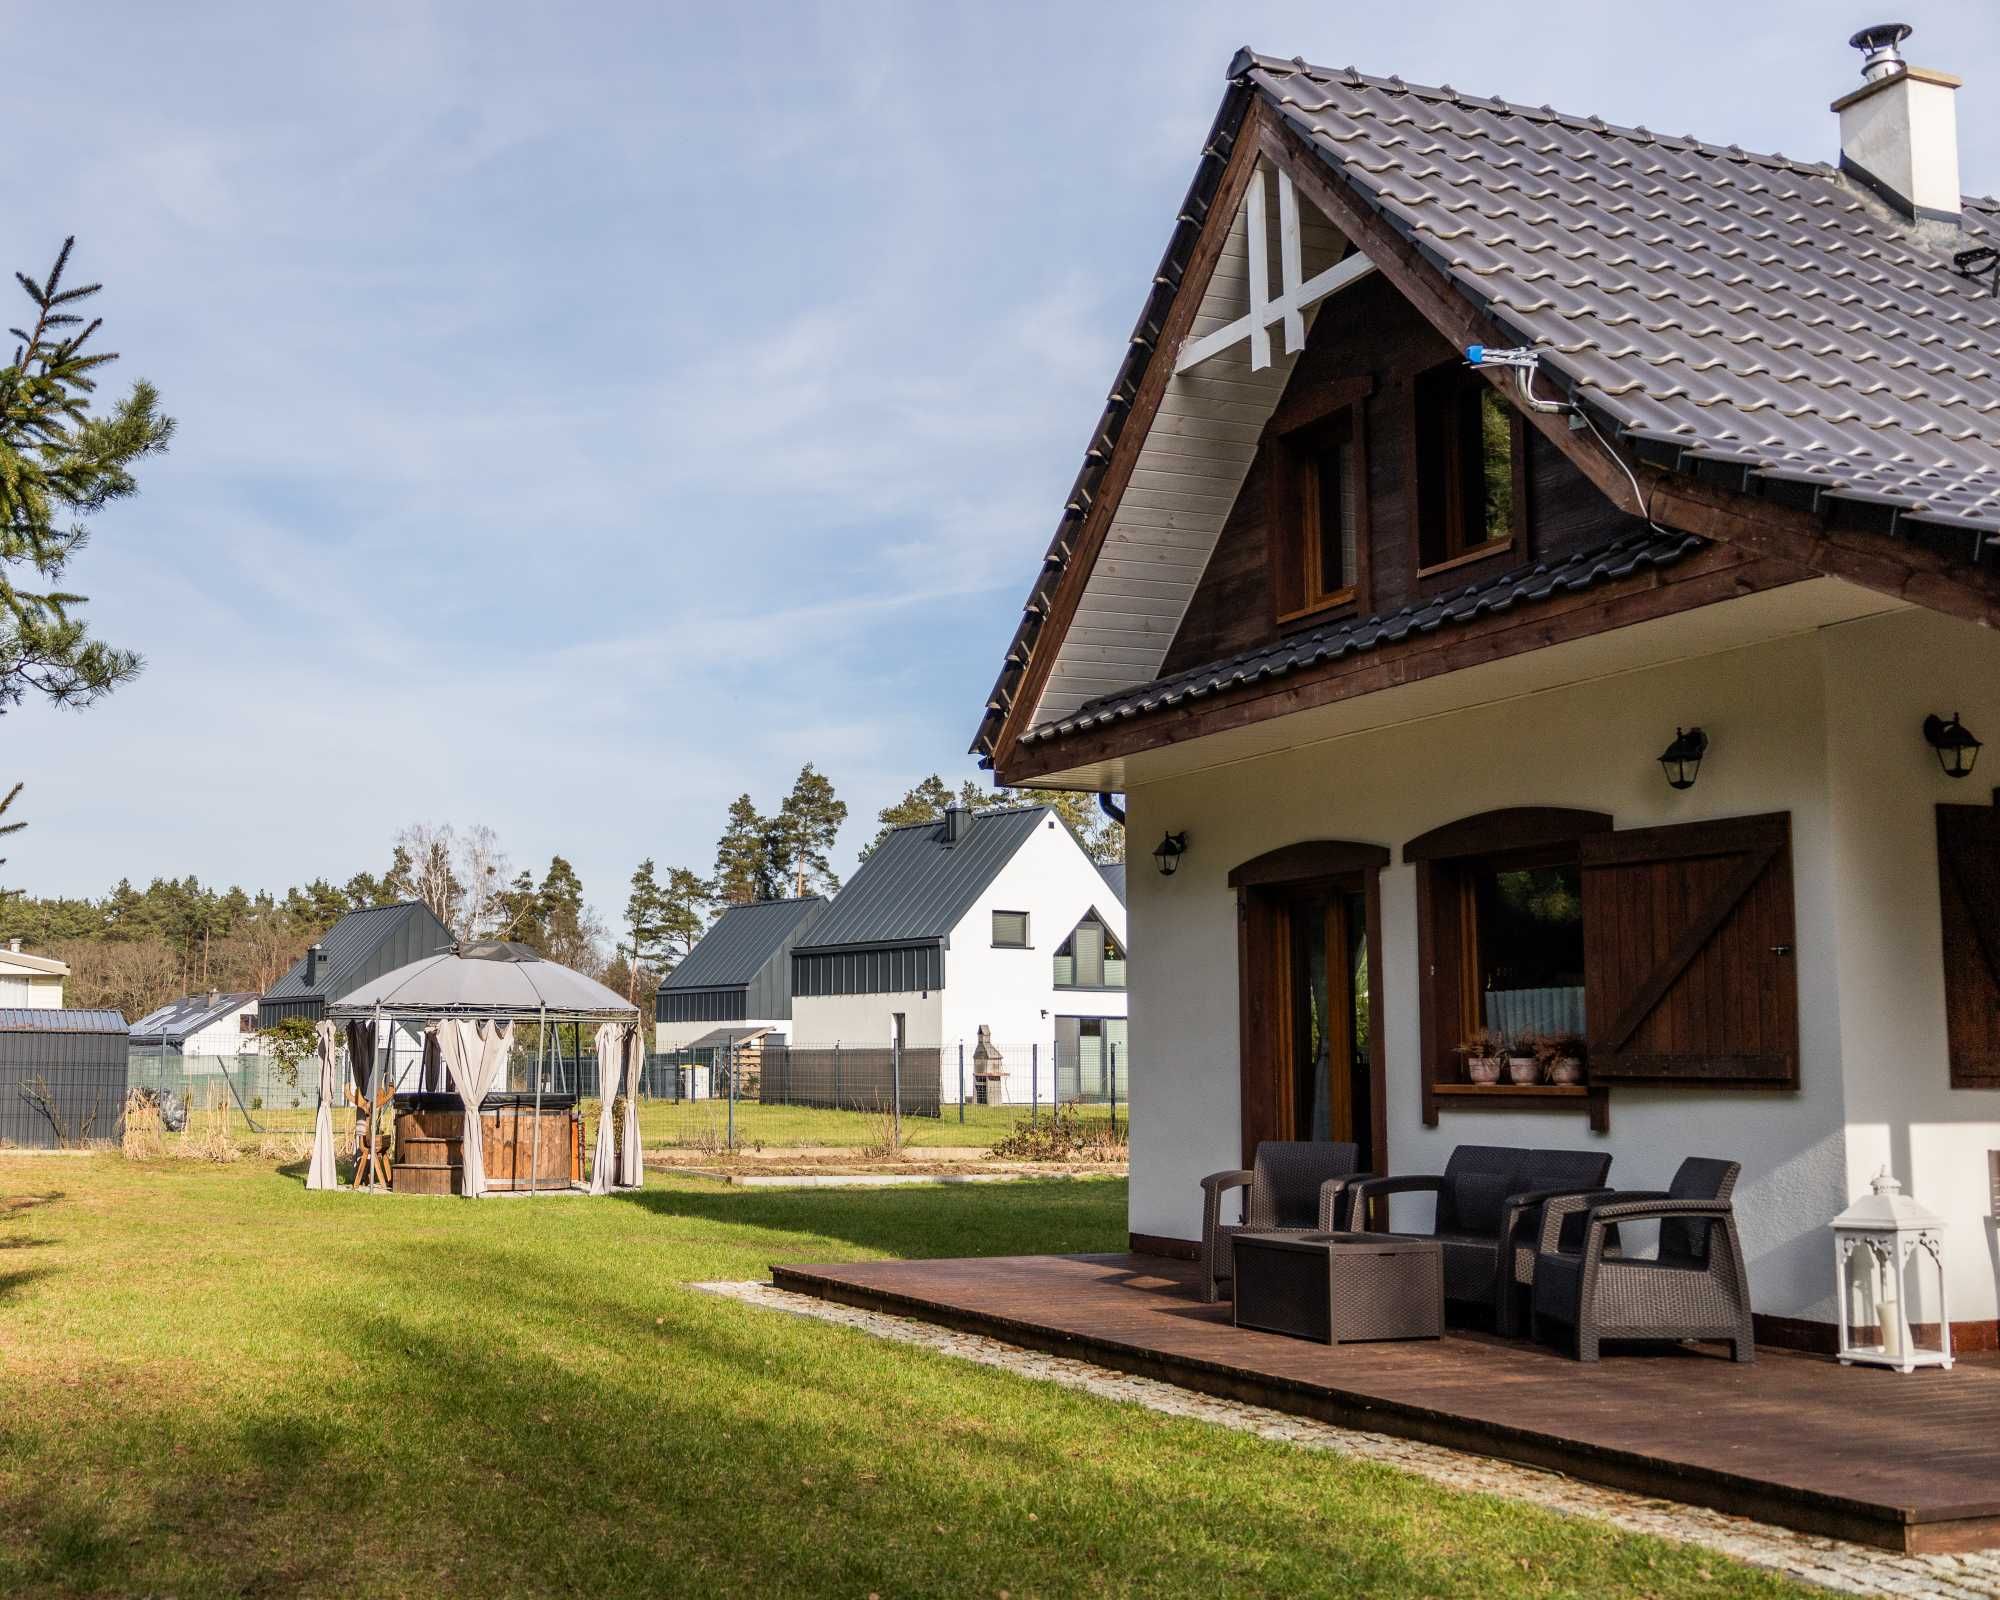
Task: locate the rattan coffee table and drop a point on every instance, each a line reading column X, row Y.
column 1339, row 1288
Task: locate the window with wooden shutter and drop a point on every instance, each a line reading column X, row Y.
column 1690, row 976
column 1968, row 842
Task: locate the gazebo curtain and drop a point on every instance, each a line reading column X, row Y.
column 620, row 1056
column 321, row 1174
column 475, row 1054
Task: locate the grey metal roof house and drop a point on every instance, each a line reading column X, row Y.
column 360, row 946
column 887, row 928
column 62, row 1076
column 1113, row 873
column 178, row 1020
column 742, row 968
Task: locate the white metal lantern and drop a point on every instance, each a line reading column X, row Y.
column 1881, row 1245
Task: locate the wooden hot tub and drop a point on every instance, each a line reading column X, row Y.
column 430, row 1128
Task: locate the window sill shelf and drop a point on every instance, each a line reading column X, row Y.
column 1591, row 1095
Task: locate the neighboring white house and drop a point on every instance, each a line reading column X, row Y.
column 210, row 1024
column 991, row 919
column 35, row 982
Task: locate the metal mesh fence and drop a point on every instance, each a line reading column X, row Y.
column 254, row 1088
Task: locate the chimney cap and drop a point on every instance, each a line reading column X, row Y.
column 1877, row 43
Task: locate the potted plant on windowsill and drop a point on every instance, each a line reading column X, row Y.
column 1524, row 1066
column 1485, row 1053
column 1562, row 1054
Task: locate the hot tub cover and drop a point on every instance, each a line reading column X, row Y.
column 485, row 980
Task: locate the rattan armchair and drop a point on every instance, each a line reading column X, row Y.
column 1696, row 1286
column 1295, row 1186
column 1490, row 1201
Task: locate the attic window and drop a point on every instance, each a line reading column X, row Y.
column 1471, row 461
column 1010, row 930
column 1090, row 958
column 1318, row 513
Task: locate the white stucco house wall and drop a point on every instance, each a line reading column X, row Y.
column 993, row 919
column 212, row 1024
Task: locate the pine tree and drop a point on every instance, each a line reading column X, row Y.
column 684, row 903
column 10, row 827
column 1102, row 839
column 645, row 913
column 58, row 465
column 743, row 856
column 807, row 825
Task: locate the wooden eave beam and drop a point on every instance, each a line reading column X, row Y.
column 1720, row 572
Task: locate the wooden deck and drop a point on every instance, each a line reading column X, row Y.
column 1911, row 1462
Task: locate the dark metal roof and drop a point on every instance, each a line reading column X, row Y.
column 720, row 1037
column 914, row 886
column 744, row 938
column 191, row 1013
column 30, row 1019
column 348, row 946
column 1742, row 313
column 1113, row 873
column 1619, row 559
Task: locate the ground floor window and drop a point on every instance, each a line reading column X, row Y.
column 1093, row 1064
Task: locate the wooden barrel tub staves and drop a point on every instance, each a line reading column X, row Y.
column 430, row 1130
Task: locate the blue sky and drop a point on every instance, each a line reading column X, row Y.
column 589, row 413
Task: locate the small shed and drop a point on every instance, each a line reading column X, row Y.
column 62, row 1077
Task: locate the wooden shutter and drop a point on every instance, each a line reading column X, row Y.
column 1689, row 970
column 1968, row 841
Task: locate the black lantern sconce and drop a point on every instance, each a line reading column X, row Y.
column 1168, row 856
column 1957, row 748
column 1681, row 760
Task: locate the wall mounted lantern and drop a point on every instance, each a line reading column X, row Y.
column 1168, row 856
column 1957, row 749
column 1681, row 760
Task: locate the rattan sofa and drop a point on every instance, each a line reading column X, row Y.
column 1694, row 1288
column 1295, row 1186
column 1489, row 1210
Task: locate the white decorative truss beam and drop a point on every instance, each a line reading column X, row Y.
column 1294, row 296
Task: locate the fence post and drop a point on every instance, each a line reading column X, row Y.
column 836, row 1077
column 896, row 1080
column 1034, row 1081
column 961, row 1083
column 1112, row 1050
column 731, row 1071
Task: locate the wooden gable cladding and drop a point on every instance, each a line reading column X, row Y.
column 1968, row 845
column 1690, row 975
column 1370, row 347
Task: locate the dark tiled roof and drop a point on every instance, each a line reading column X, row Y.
column 347, row 946
column 191, row 1013
column 30, row 1019
column 1743, row 308
column 1333, row 640
column 914, row 886
column 1754, row 313
column 734, row 951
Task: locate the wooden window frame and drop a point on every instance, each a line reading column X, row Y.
column 1264, row 965
column 1290, row 448
column 1969, row 941
column 1027, row 931
column 1421, row 418
column 1517, row 836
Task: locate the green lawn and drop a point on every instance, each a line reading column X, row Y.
column 217, row 1384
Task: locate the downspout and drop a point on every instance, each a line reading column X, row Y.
column 1110, row 807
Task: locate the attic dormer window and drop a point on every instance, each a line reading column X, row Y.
column 1471, row 455
column 1317, row 515
column 1090, row 958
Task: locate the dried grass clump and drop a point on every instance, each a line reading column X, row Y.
column 145, row 1135
column 1065, row 1134
column 209, row 1136
column 885, row 1139
column 283, row 1147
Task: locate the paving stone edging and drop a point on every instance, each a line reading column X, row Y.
column 1829, row 1563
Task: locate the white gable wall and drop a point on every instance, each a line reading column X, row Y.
column 1013, row 991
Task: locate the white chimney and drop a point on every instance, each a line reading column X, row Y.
column 1899, row 130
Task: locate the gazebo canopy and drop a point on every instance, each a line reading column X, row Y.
column 486, row 980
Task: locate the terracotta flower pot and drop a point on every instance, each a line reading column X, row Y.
column 1523, row 1069
column 1482, row 1069
column 1566, row 1070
